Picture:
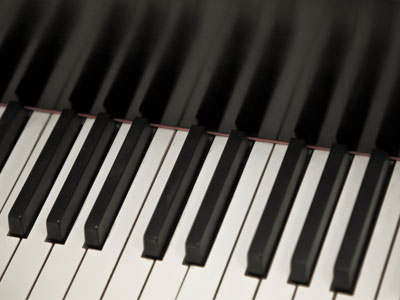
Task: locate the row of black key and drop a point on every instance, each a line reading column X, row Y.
column 359, row 230
column 214, row 205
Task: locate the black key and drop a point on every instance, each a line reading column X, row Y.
column 319, row 216
column 277, row 210
column 117, row 184
column 362, row 222
column 77, row 185
column 217, row 199
column 44, row 173
column 12, row 122
column 175, row 193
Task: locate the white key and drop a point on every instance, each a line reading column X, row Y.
column 2, row 109
column 390, row 287
column 9, row 244
column 58, row 272
column 381, row 240
column 202, row 282
column 167, row 275
column 32, row 252
column 276, row 285
column 235, row 285
column 21, row 152
column 131, row 269
column 323, row 274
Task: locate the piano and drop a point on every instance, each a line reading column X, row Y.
column 189, row 149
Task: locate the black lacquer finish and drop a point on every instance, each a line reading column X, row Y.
column 321, row 71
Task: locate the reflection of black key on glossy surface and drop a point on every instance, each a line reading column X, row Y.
column 134, row 64
column 167, row 73
column 117, row 184
column 50, row 48
column 319, row 216
column 277, row 210
column 362, row 222
column 11, row 124
column 99, row 61
column 43, row 175
column 16, row 40
column 80, row 179
column 175, row 193
column 217, row 199
column 219, row 90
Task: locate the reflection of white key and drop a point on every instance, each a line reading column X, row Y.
column 131, row 267
column 390, row 287
column 379, row 246
column 167, row 275
column 9, row 244
column 20, row 153
column 235, row 285
column 32, row 252
column 319, row 288
column 276, row 285
column 202, row 282
column 58, row 271
column 2, row 109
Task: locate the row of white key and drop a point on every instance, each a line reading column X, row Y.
column 119, row 271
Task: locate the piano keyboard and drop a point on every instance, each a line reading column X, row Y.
column 95, row 208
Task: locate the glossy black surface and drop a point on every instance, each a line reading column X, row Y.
column 323, row 71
